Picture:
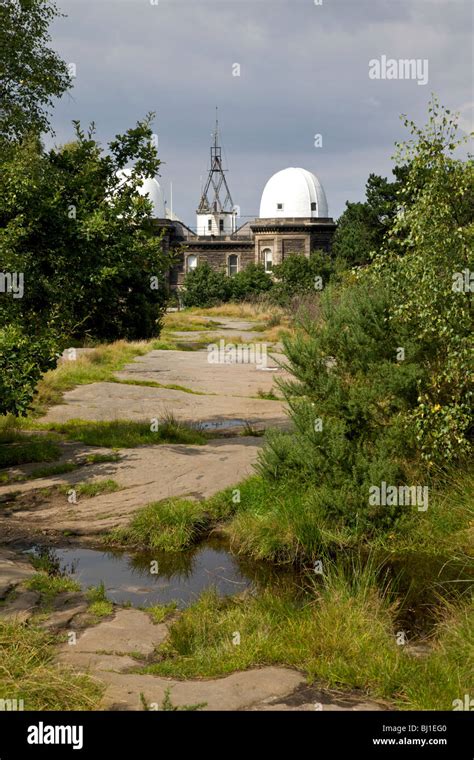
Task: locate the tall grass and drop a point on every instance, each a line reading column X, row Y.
column 283, row 522
column 259, row 310
column 187, row 322
column 28, row 672
column 341, row 633
column 128, row 433
column 97, row 366
column 169, row 525
column 19, row 449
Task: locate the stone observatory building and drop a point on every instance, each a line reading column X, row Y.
column 293, row 219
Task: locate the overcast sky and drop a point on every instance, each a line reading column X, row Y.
column 304, row 70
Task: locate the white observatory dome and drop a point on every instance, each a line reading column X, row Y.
column 293, row 193
column 150, row 188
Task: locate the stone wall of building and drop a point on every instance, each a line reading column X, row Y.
column 284, row 237
column 321, row 239
column 289, row 237
column 215, row 253
column 294, row 246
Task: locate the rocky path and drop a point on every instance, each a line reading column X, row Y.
column 113, row 649
column 144, row 474
column 106, row 650
column 221, row 397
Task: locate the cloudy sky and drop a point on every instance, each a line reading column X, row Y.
column 304, row 70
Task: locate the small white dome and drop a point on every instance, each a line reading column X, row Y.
column 150, row 188
column 293, row 193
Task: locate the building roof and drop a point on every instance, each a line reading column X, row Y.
column 150, row 187
column 293, row 192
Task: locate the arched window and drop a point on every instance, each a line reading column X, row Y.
column 191, row 262
column 232, row 264
column 267, row 255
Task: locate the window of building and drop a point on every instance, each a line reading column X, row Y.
column 209, row 224
column 313, row 206
column 233, row 264
column 221, row 225
column 191, row 262
column 267, row 254
column 279, row 206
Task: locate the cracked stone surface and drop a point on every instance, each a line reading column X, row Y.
column 146, row 473
column 12, row 571
column 112, row 650
column 151, row 473
column 105, row 650
column 21, row 608
column 111, row 401
column 230, row 389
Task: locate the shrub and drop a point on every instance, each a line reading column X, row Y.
column 344, row 398
column 205, row 287
column 249, row 283
column 299, row 274
column 380, row 388
column 23, row 360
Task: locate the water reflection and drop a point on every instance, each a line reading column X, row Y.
column 144, row 579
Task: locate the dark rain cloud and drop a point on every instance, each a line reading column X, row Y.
column 304, row 70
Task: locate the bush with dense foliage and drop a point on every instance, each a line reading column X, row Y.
column 23, row 360
column 249, row 283
column 298, row 274
column 361, row 229
column 380, row 386
column 205, row 287
column 78, row 234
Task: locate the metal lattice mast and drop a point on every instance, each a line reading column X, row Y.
column 216, row 182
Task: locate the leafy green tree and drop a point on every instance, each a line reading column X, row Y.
column 205, row 287
column 250, row 283
column 362, row 227
column 379, row 387
column 427, row 266
column 298, row 274
column 31, row 73
column 92, row 262
column 71, row 227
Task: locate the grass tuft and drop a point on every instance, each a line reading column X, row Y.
column 102, row 458
column 129, row 434
column 92, row 489
column 159, row 612
column 50, row 586
column 341, row 633
column 26, row 449
column 54, row 469
column 28, row 672
column 99, row 605
column 171, row 525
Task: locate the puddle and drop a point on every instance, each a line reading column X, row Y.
column 418, row 583
column 423, row 583
column 222, row 424
column 180, row 577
